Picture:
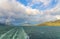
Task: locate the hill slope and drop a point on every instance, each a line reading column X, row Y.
column 51, row 23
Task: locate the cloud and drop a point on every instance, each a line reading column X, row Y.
column 58, row 17
column 44, row 1
column 11, row 11
column 32, row 11
column 43, row 4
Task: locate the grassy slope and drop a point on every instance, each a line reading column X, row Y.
column 51, row 23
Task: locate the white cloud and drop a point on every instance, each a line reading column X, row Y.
column 11, row 9
column 58, row 17
column 44, row 1
column 32, row 11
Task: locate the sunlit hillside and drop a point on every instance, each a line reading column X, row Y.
column 51, row 23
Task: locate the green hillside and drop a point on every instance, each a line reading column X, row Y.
column 51, row 23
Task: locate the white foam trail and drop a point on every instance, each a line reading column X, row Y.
column 6, row 33
column 15, row 35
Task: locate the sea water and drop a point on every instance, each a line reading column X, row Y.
column 43, row 32
column 30, row 32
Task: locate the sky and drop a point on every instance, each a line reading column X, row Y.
column 19, row 12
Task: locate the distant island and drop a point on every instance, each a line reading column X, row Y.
column 50, row 23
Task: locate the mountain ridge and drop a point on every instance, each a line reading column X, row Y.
column 50, row 23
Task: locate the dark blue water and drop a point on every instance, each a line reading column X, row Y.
column 44, row 32
column 33, row 32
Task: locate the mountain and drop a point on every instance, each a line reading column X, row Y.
column 26, row 25
column 50, row 23
column 2, row 24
